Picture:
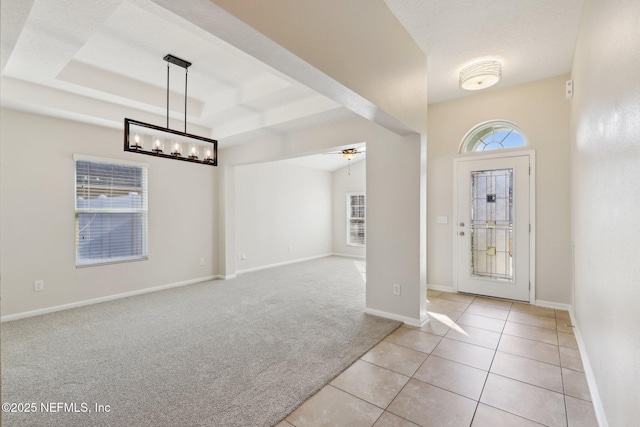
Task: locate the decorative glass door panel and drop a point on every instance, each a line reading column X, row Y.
column 491, row 225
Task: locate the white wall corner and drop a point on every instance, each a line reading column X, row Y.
column 349, row 255
column 591, row 379
column 441, row 288
column 279, row 264
column 555, row 305
column 227, row 221
column 406, row 320
column 395, row 258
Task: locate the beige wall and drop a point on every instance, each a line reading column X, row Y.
column 282, row 214
column 395, row 236
column 37, row 176
column 605, row 184
column 541, row 111
column 286, row 212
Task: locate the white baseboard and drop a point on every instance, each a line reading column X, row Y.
column 53, row 309
column 408, row 320
column 556, row 305
column 591, row 379
column 350, row 256
column 279, row 264
column 223, row 277
column 440, row 288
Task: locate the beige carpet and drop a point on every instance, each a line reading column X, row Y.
column 242, row 352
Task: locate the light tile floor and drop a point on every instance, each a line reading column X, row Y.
column 477, row 362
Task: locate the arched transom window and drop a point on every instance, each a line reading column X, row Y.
column 493, row 135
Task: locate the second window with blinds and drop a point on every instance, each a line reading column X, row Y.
column 356, row 219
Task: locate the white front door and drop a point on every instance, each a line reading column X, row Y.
column 493, row 226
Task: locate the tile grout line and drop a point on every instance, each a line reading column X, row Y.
column 564, row 394
column 398, row 394
column 411, row 348
column 442, row 388
column 558, row 346
column 441, row 339
column 432, row 385
column 489, row 370
column 393, row 400
column 523, row 382
column 394, row 371
column 405, row 384
column 533, row 385
column 429, row 384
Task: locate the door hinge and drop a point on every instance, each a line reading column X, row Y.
column 529, row 170
column 529, row 228
column 529, row 285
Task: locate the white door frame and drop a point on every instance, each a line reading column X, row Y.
column 532, row 210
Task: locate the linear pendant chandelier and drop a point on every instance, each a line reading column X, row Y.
column 152, row 140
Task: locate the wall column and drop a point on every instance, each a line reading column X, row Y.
column 396, row 229
column 226, row 222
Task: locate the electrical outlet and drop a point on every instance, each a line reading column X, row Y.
column 38, row 285
column 396, row 289
column 201, row 261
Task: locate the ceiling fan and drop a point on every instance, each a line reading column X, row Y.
column 349, row 153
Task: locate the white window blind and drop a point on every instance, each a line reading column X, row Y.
column 111, row 212
column 356, row 219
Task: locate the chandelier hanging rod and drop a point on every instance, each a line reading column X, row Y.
column 171, row 59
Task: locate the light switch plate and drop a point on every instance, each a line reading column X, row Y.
column 568, row 94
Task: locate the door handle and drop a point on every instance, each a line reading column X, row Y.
column 462, row 224
column 461, row 233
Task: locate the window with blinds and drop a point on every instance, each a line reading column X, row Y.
column 355, row 219
column 111, row 211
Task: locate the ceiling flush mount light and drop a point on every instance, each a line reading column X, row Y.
column 145, row 138
column 480, row 75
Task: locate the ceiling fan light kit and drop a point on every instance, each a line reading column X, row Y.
column 152, row 140
column 349, row 153
column 480, row 75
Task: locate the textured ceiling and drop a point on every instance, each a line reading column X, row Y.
column 98, row 62
column 533, row 39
